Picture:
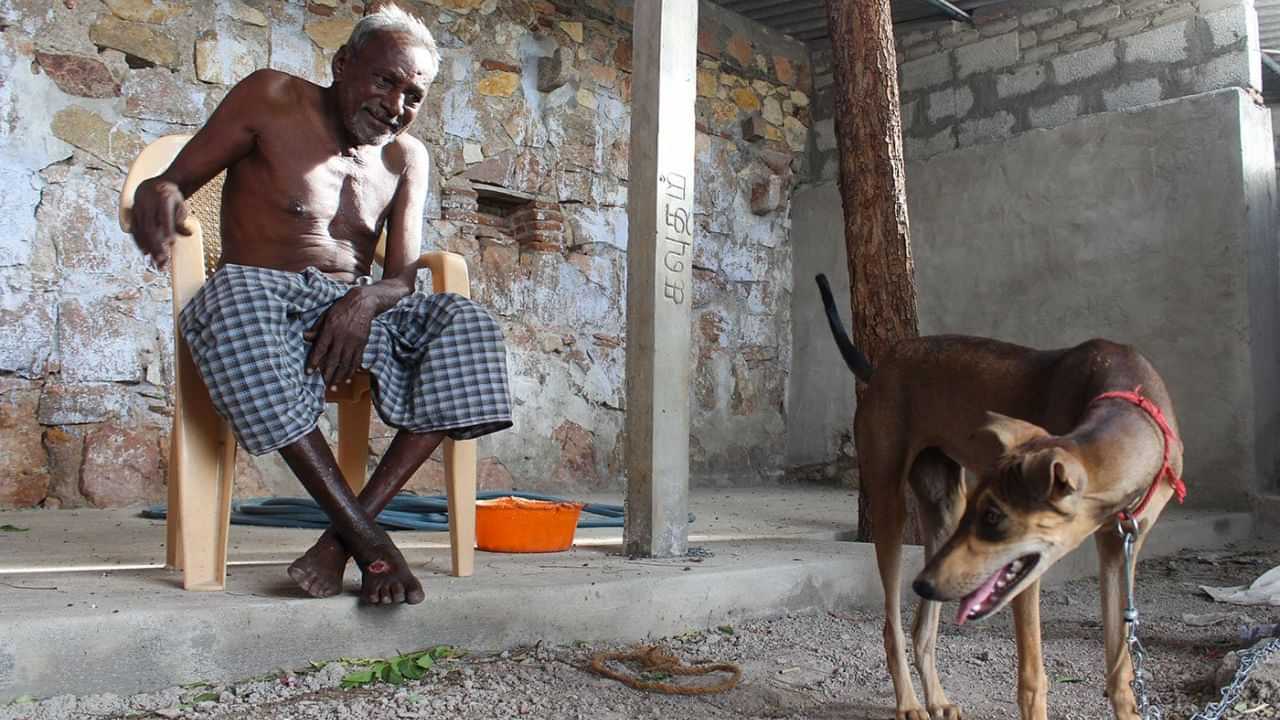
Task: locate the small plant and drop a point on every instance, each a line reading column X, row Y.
column 396, row 670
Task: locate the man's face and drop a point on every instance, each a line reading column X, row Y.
column 380, row 86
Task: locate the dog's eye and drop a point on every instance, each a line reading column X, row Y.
column 992, row 517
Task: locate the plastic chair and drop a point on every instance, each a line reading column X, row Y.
column 202, row 454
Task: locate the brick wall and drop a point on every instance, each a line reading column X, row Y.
column 1031, row 64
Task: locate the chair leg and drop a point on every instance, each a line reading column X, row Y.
column 460, row 486
column 353, row 440
column 173, row 516
column 204, row 471
column 206, row 513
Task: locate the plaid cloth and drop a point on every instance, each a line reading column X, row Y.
column 438, row 361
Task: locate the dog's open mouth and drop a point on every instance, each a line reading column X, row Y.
column 981, row 602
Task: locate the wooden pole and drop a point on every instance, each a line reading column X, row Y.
column 872, row 186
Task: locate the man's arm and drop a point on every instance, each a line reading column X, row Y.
column 344, row 330
column 404, row 230
column 158, row 208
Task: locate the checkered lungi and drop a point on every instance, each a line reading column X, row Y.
column 438, row 361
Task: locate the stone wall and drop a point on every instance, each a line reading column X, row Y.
column 528, row 124
column 1040, row 63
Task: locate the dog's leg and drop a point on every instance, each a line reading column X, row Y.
column 1111, row 582
column 889, row 508
column 1033, row 684
column 939, row 487
column 1111, row 578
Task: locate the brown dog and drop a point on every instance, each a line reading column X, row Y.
column 1087, row 449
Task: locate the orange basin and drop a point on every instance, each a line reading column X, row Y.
column 519, row 525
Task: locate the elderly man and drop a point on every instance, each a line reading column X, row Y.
column 314, row 175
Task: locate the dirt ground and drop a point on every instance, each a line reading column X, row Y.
column 813, row 665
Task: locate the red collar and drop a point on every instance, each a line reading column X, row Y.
column 1170, row 438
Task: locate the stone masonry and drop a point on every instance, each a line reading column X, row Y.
column 1030, row 64
column 528, row 124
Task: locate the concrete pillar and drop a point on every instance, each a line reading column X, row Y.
column 659, row 276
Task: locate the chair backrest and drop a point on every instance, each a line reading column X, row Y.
column 206, row 206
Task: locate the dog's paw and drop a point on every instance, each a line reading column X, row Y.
column 944, row 712
column 915, row 713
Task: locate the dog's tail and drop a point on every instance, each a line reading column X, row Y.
column 853, row 357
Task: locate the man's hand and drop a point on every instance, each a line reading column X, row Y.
column 159, row 212
column 338, row 339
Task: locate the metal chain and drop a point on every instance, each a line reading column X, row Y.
column 1146, row 710
column 1249, row 659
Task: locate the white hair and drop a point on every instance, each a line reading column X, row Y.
column 390, row 18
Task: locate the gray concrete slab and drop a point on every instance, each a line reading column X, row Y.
column 138, row 630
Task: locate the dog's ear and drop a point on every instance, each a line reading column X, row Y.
column 1068, row 476
column 1001, row 435
column 1053, row 475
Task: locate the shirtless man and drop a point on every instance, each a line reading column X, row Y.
column 314, row 175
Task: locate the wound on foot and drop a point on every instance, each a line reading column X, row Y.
column 378, row 567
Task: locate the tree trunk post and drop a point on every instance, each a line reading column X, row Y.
column 873, row 188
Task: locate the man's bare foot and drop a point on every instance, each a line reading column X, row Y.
column 319, row 570
column 387, row 578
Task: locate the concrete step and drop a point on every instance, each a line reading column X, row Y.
column 138, row 630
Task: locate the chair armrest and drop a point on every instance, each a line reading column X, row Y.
column 187, row 260
column 153, row 160
column 448, row 272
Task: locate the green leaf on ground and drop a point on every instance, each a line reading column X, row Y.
column 726, row 629
column 408, row 667
column 395, row 670
column 205, row 697
column 12, row 528
column 357, row 661
column 355, row 679
column 23, row 700
column 196, row 684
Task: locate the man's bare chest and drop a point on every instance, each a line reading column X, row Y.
column 316, row 185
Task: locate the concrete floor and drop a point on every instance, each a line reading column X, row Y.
column 85, row 589
column 98, row 540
